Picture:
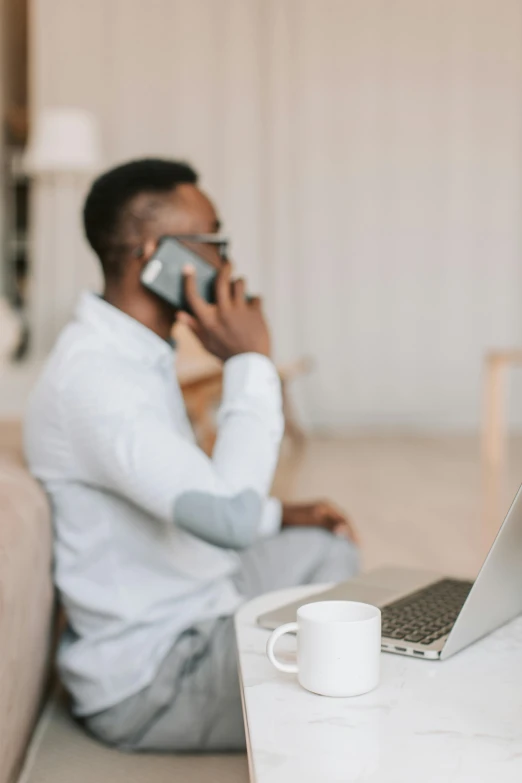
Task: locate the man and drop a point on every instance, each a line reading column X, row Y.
column 156, row 545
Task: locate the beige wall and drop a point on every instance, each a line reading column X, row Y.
column 366, row 157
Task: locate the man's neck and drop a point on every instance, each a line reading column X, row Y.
column 146, row 309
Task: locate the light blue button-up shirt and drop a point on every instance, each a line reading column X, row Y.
column 147, row 527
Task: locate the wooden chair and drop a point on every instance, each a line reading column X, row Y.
column 201, row 376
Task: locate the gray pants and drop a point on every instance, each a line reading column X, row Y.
column 194, row 702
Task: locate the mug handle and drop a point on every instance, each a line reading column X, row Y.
column 289, row 668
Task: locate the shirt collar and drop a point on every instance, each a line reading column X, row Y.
column 130, row 336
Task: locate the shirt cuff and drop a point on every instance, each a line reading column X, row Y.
column 271, row 518
column 252, row 375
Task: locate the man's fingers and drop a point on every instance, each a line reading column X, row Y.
column 192, row 323
column 255, row 301
column 343, row 531
column 331, row 511
column 346, row 530
column 337, row 521
column 199, row 307
column 187, row 320
column 337, row 515
column 238, row 290
column 223, row 288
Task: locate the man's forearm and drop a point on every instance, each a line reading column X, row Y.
column 251, row 424
column 245, row 456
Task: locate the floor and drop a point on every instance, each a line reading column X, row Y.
column 416, row 501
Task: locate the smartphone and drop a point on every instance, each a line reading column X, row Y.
column 163, row 274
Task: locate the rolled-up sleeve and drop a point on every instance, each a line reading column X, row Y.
column 125, row 444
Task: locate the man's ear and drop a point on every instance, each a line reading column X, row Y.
column 149, row 248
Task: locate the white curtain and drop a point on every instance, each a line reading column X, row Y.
column 365, row 156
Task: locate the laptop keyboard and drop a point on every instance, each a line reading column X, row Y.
column 427, row 615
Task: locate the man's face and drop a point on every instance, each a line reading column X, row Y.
column 186, row 211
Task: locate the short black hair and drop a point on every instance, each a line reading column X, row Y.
column 106, row 219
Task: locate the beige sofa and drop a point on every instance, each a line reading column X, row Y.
column 39, row 742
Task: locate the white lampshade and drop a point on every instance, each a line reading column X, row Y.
column 63, row 140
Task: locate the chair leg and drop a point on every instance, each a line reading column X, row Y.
column 292, row 427
column 493, row 444
column 200, row 415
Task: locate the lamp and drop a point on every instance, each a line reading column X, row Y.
column 63, row 140
column 64, row 151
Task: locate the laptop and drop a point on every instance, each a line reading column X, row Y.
column 427, row 615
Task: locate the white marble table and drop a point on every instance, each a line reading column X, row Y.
column 435, row 722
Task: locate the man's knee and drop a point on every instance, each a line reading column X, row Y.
column 347, row 553
column 335, row 557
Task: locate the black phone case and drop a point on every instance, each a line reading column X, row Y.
column 163, row 274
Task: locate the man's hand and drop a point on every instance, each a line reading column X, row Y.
column 233, row 325
column 323, row 514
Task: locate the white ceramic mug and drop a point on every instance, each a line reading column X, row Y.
column 338, row 647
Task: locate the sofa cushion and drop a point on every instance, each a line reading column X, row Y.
column 62, row 752
column 26, row 598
